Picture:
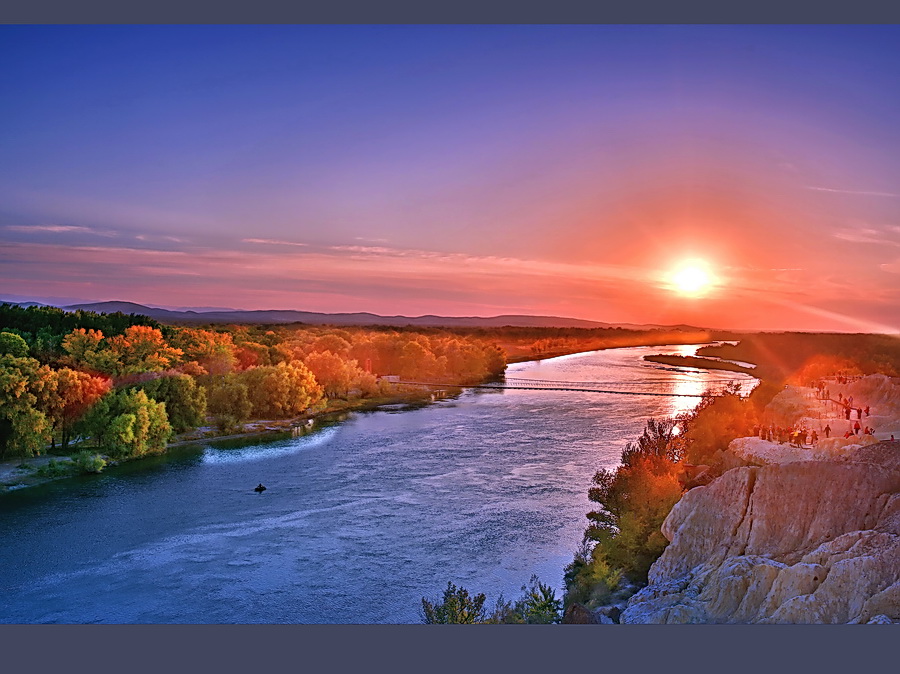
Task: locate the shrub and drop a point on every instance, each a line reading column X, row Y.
column 457, row 607
column 539, row 605
column 89, row 462
column 590, row 579
column 55, row 468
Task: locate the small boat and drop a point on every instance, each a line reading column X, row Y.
column 259, row 488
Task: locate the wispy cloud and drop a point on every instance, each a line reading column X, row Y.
column 60, row 229
column 858, row 192
column 274, row 242
column 886, row 236
column 155, row 237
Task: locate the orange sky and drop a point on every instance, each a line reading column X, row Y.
column 458, row 170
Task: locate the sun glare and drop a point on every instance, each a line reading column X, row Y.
column 691, row 279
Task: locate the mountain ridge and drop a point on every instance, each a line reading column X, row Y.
column 353, row 318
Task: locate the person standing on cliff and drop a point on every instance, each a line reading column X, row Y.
column 827, row 431
column 859, row 412
column 856, row 428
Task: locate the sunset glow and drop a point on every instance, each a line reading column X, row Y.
column 374, row 168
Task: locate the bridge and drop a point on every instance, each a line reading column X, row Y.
column 552, row 385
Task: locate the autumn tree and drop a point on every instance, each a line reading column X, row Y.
column 634, row 500
column 717, row 420
column 72, row 394
column 282, row 390
column 142, row 349
column 88, row 349
column 214, row 351
column 336, row 375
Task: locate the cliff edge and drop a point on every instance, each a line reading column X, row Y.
column 795, row 542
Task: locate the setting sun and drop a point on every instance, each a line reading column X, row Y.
column 691, row 280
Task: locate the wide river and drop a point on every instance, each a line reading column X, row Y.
column 361, row 518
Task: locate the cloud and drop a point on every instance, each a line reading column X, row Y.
column 883, row 237
column 274, row 242
column 154, row 237
column 858, row 192
column 60, row 229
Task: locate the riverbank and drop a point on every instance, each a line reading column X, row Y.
column 518, row 356
column 22, row 473
column 700, row 362
column 29, row 472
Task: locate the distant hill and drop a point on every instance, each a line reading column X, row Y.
column 359, row 318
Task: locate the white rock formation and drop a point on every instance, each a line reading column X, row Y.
column 793, row 541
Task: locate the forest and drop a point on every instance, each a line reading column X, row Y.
column 117, row 386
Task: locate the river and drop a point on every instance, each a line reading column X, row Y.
column 360, row 518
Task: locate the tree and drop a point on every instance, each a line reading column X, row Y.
column 185, row 401
column 142, row 349
column 214, row 351
column 635, row 498
column 72, row 395
column 128, row 424
column 84, row 346
column 336, row 375
column 457, row 607
column 282, row 390
column 24, row 430
column 716, row 422
column 12, row 344
column 228, row 400
column 538, row 605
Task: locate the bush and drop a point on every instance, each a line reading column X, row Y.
column 457, row 608
column 89, row 462
column 590, row 579
column 56, row 468
column 539, row 605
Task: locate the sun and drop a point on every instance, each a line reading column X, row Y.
column 692, row 279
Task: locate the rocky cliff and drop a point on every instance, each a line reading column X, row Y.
column 785, row 542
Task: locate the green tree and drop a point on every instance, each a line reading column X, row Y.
column 538, row 605
column 185, row 400
column 12, row 344
column 128, row 424
column 457, row 607
column 24, row 429
column 228, row 400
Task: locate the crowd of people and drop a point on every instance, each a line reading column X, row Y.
column 801, row 436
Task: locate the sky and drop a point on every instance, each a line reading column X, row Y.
column 458, row 170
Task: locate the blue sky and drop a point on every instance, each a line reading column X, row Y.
column 457, row 170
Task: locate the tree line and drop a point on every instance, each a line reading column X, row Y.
column 125, row 384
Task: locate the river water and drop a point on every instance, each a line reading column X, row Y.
column 360, row 519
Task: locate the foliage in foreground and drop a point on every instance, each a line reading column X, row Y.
column 538, row 605
column 624, row 536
